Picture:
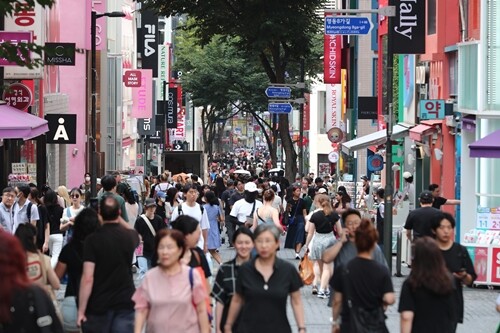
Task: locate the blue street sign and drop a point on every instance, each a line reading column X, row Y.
column 347, row 25
column 278, row 92
column 279, row 107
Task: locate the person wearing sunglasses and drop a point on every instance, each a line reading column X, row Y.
column 69, row 214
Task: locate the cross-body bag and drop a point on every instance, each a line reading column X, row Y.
column 148, row 223
column 291, row 219
column 249, row 221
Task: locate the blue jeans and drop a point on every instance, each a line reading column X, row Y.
column 113, row 321
column 144, row 265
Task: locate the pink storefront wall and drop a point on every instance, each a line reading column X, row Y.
column 73, row 81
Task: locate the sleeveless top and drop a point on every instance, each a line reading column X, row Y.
column 262, row 219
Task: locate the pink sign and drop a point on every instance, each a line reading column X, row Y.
column 98, row 6
column 495, row 265
column 14, row 37
column 142, row 97
column 481, row 263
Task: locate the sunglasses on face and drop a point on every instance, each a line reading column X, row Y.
column 75, row 196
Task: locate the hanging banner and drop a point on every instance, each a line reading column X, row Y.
column 148, row 40
column 62, row 128
column 142, row 97
column 163, row 65
column 334, row 108
column 307, row 112
column 146, row 126
column 180, row 131
column 408, row 27
column 332, row 59
column 171, row 112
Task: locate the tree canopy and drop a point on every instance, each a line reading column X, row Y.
column 277, row 33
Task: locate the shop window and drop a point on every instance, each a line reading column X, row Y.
column 431, row 17
column 453, row 73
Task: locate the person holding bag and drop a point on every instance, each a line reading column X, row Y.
column 360, row 299
column 71, row 262
column 296, row 210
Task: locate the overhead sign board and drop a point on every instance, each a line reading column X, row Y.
column 432, row 109
column 60, row 54
column 132, row 78
column 279, row 107
column 408, row 30
column 18, row 95
column 278, row 92
column 62, row 128
column 347, row 25
column 14, row 38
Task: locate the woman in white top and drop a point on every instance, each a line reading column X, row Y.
column 70, row 212
column 267, row 213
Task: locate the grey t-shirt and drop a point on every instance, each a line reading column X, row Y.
column 349, row 252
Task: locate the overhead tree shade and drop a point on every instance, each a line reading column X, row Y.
column 374, row 139
column 17, row 124
column 488, row 147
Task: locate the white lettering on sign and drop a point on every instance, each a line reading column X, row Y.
column 147, row 124
column 406, row 20
column 150, row 38
column 61, row 131
column 332, row 60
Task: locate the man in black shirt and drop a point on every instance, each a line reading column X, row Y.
column 439, row 200
column 225, row 197
column 107, row 285
column 420, row 220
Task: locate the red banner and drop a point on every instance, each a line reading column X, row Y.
column 332, row 59
column 307, row 112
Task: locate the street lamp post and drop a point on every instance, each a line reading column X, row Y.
column 93, row 117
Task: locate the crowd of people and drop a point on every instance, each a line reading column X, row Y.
column 170, row 234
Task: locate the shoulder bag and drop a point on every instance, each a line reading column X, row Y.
column 362, row 320
column 291, row 219
column 249, row 221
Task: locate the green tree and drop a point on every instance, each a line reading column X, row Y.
column 20, row 53
column 278, row 33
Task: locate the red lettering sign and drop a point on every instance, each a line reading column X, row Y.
column 307, row 112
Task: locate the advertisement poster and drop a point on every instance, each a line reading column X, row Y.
column 481, row 263
column 495, row 265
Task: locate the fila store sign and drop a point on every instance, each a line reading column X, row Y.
column 62, row 128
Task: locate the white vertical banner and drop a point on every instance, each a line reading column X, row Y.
column 26, row 19
column 163, row 70
column 334, row 107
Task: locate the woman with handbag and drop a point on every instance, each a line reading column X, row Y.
column 321, row 227
column 24, row 306
column 172, row 296
column 296, row 210
column 360, row 299
column 70, row 261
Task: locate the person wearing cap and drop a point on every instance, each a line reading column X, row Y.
column 244, row 209
column 439, row 200
column 420, row 220
column 318, row 182
column 409, row 189
column 147, row 225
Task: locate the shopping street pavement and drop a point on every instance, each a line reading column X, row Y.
column 480, row 314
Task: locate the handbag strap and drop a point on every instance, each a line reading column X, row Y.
column 148, row 223
column 296, row 207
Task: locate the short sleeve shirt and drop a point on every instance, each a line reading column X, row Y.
column 438, row 202
column 420, row 221
column 324, row 223
column 266, row 300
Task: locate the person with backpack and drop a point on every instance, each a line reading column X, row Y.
column 191, row 208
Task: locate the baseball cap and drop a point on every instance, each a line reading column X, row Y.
column 364, row 177
column 407, row 175
column 426, row 197
column 149, row 202
column 161, row 194
column 251, row 187
column 230, row 182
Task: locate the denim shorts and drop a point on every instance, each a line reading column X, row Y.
column 69, row 314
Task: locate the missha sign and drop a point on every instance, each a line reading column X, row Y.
column 408, row 27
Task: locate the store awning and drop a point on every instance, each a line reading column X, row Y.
column 488, row 147
column 418, row 132
column 374, row 139
column 17, row 124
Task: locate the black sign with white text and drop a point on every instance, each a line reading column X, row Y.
column 60, row 54
column 408, row 27
column 147, row 41
column 159, row 135
column 171, row 114
column 146, row 126
column 62, row 128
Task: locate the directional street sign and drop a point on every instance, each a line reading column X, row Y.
column 347, row 25
column 279, row 107
column 278, row 92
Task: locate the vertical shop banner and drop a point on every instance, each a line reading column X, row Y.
column 333, row 106
column 495, row 265
column 332, row 59
column 30, row 19
column 172, row 105
column 180, row 131
column 481, row 263
column 408, row 27
column 146, row 126
column 163, row 69
column 307, row 112
column 142, row 97
column 147, row 41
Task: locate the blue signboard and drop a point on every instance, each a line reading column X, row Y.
column 432, row 109
column 278, row 92
column 347, row 25
column 279, row 107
